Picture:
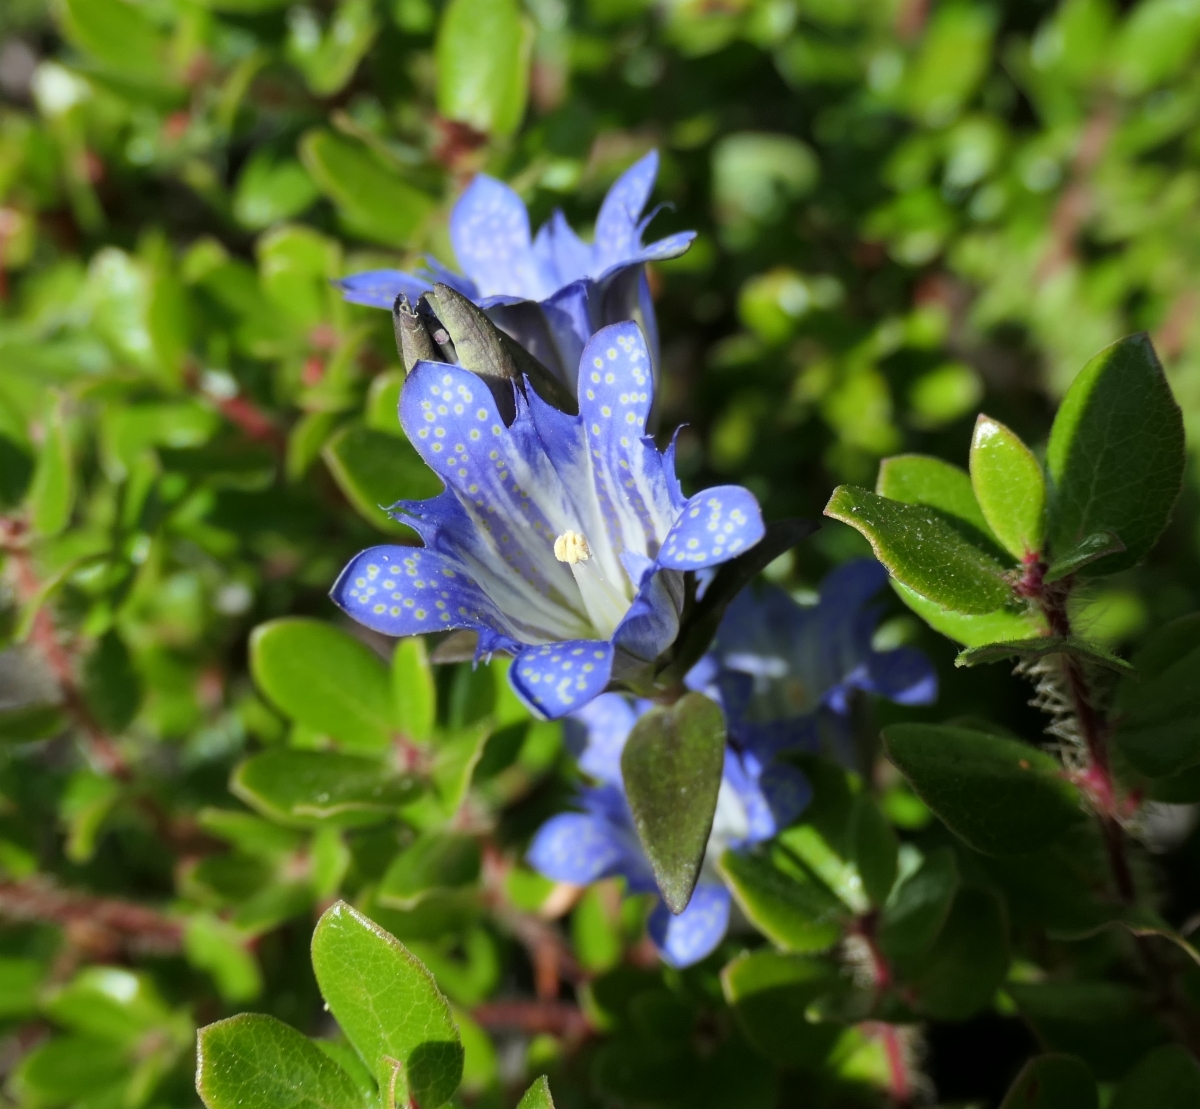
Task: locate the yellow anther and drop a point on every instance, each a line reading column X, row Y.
column 571, row 547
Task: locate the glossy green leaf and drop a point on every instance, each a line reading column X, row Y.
column 672, row 764
column 375, row 470
column 433, row 862
column 935, row 483
column 1041, row 647
column 924, row 551
column 67, row 1069
column 326, row 679
column 1009, row 487
column 1115, row 456
column 119, row 36
column 483, row 54
column 389, row 1007
column 969, row 961
column 253, row 1061
column 1053, row 1082
column 20, row 980
column 111, row 685
column 216, row 947
column 1002, row 796
column 874, row 849
column 1167, row 1078
column 917, row 909
column 413, row 693
column 52, row 491
column 373, row 200
column 771, row 995
column 109, row 1003
column 974, row 631
column 537, row 1096
column 1084, row 553
column 305, row 787
column 794, row 913
column 328, row 57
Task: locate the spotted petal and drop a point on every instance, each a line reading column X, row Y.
column 379, row 288
column 489, row 229
column 618, row 232
column 408, row 591
column 715, row 526
column 563, row 255
column 608, row 720
column 576, row 847
column 687, row 938
column 557, row 678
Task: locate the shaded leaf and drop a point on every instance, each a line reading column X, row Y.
column 1040, row 647
column 1167, row 1078
column 1053, row 1082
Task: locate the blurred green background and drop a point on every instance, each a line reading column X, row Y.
column 907, row 211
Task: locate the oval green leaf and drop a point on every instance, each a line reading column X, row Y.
column 1009, row 487
column 1053, row 1082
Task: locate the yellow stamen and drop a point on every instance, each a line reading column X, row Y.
column 571, row 547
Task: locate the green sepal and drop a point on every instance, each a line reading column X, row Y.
column 1040, row 647
column 1088, row 550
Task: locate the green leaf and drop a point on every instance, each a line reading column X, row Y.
column 68, row 1069
column 917, row 910
column 52, row 491
column 672, row 766
column 434, row 862
column 117, row 35
column 109, row 1003
column 1115, row 456
column 27, row 723
column 1084, row 553
column 974, row 631
column 537, row 1096
column 20, row 980
column 922, row 479
column 1002, row 796
column 1009, row 486
column 216, row 947
column 771, row 994
column 326, row 679
column 375, row 470
column 874, row 849
column 328, row 60
column 303, row 788
column 1054, row 1082
column 795, row 912
column 924, row 551
column 1041, row 646
column 253, row 1061
column 110, row 683
column 372, row 199
column 270, row 190
column 482, row 54
column 1159, row 716
column 389, row 1007
column 413, row 692
column 1167, row 1078
column 970, row 959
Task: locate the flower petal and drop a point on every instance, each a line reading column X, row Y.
column 715, row 526
column 618, row 233
column 563, row 255
column 557, row 678
column 687, row 938
column 904, row 675
column 576, row 847
column 379, row 288
column 652, row 622
column 408, row 591
column 608, row 720
column 489, row 229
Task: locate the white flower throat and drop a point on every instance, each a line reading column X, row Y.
column 606, row 602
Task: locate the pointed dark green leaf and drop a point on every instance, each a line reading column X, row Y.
column 254, row 1061
column 922, row 549
column 1084, row 553
column 672, row 766
column 537, row 1096
column 433, row 862
column 1167, row 1078
column 1041, row 646
column 794, row 911
column 969, row 961
column 874, row 849
column 917, row 909
column 326, row 679
column 388, row 1005
column 1054, row 1082
column 1009, row 487
column 1116, row 454
column 375, row 470
column 1002, row 796
column 306, row 787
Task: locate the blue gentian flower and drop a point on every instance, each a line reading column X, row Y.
column 776, row 667
column 563, row 540
column 551, row 292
